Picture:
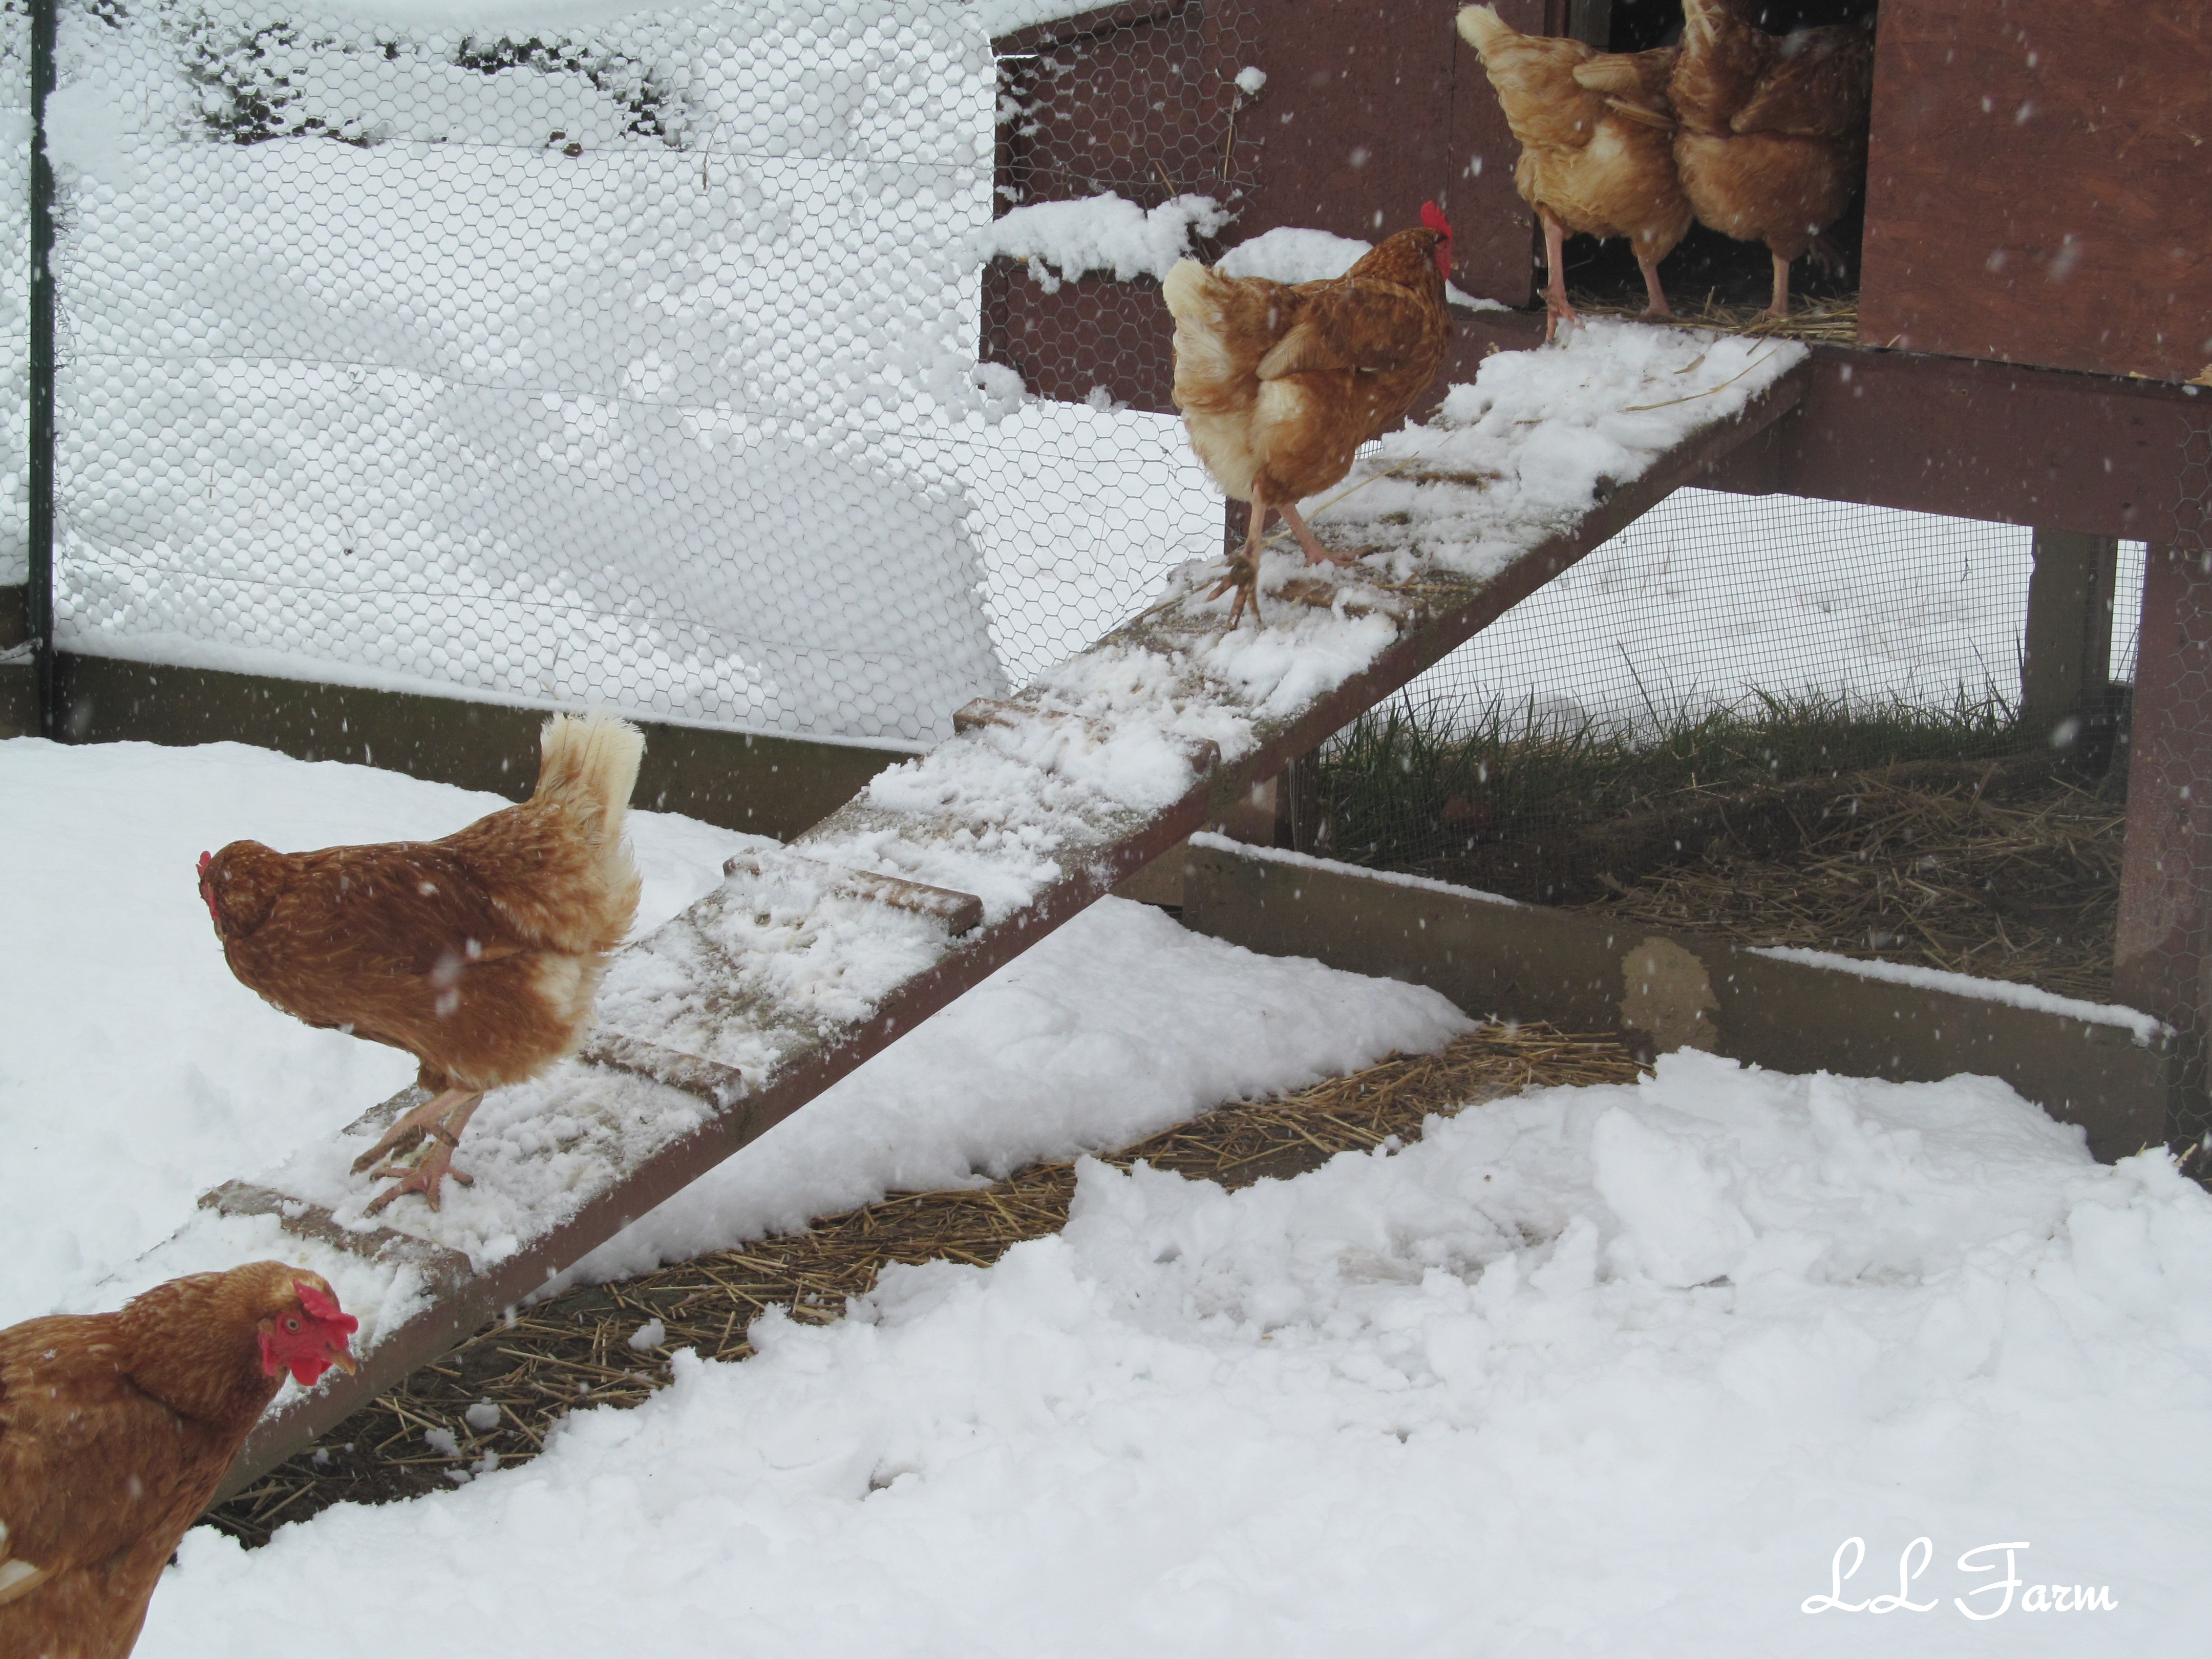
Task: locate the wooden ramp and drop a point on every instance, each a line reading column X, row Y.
column 808, row 960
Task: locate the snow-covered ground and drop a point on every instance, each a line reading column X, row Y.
column 1595, row 1371
column 1591, row 1371
column 137, row 1073
column 1711, row 597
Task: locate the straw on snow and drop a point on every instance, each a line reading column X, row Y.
column 576, row 1349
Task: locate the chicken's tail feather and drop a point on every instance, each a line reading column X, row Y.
column 593, row 758
column 1184, row 287
column 588, row 763
column 1482, row 28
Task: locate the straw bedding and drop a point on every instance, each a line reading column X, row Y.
column 574, row 1349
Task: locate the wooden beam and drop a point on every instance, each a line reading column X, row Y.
column 2066, row 651
column 1994, row 441
column 18, row 682
column 766, row 784
column 1662, row 991
column 2159, row 958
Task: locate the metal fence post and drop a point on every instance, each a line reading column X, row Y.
column 40, row 596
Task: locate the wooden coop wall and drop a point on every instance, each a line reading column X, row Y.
column 2033, row 295
column 1369, row 111
column 2037, row 183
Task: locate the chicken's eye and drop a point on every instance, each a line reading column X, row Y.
column 290, row 1323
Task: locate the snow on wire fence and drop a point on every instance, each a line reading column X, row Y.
column 635, row 360
column 628, row 359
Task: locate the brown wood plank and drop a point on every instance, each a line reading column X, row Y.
column 1060, row 31
column 1371, row 108
column 1661, row 991
column 2166, row 907
column 1997, row 441
column 961, row 913
column 2039, row 188
column 2066, row 646
column 1989, row 440
column 1367, row 113
column 754, row 781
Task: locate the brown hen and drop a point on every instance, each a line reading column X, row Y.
column 115, row 1430
column 479, row 954
column 1597, row 146
column 1772, row 143
column 1280, row 384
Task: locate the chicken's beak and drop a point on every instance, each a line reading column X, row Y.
column 337, row 1354
column 207, row 892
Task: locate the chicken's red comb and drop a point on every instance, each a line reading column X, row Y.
column 1433, row 217
column 324, row 1309
column 206, row 858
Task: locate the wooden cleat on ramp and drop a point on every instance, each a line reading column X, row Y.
column 719, row 1085
column 442, row 1269
column 961, row 913
column 979, row 711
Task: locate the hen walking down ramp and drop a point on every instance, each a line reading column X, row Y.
column 808, row 960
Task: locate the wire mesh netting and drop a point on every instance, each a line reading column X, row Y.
column 1137, row 103
column 1712, row 598
column 15, row 290
column 636, row 363
column 1794, row 722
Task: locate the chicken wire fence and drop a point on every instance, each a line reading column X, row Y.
column 634, row 361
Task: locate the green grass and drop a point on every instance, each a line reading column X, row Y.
column 1405, row 783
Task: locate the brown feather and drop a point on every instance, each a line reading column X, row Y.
column 478, row 954
column 1280, row 386
column 1596, row 130
column 115, row 1430
column 1774, row 127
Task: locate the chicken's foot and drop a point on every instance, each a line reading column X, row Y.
column 1244, row 572
column 424, row 1174
column 1654, row 295
column 1556, row 308
column 1780, row 308
column 411, row 1127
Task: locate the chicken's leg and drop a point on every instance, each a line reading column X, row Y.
column 424, row 1174
column 1556, row 308
column 1656, row 296
column 1243, row 572
column 1315, row 553
column 1780, row 308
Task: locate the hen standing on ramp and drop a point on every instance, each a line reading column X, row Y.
column 1280, row 386
column 1597, row 146
column 1773, row 139
column 479, row 954
column 115, row 1430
